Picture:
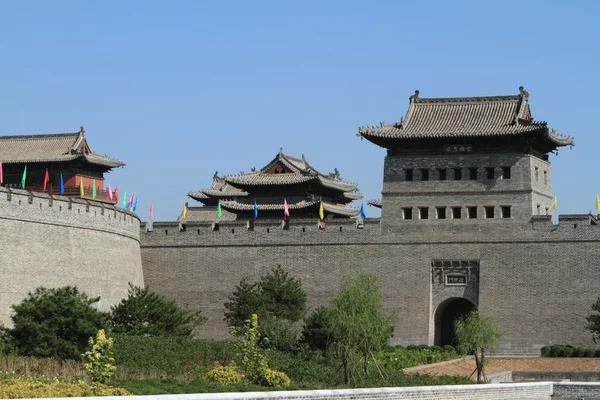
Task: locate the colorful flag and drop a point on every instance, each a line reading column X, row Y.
column 61, row 184
column 135, row 203
column 151, row 212
column 1, row 175
column 597, row 202
column 363, row 215
column 255, row 210
column 124, row 199
column 24, row 177
column 46, row 180
column 116, row 195
column 554, row 203
column 184, row 211
column 321, row 211
column 130, row 202
column 286, row 209
column 81, row 192
column 219, row 212
column 109, row 193
column 93, row 188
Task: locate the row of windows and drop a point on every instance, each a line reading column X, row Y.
column 442, row 174
column 456, row 212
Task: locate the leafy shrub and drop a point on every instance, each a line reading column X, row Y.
column 252, row 360
column 559, row 350
column 277, row 379
column 276, row 333
column 316, row 332
column 546, row 351
column 449, row 348
column 438, row 349
column 99, row 360
column 149, row 314
column 406, row 358
column 225, row 375
column 55, row 323
column 589, row 353
column 18, row 388
column 578, row 352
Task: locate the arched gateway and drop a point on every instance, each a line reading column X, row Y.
column 445, row 315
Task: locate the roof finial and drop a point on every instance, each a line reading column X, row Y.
column 281, row 150
column 414, row 97
column 524, row 93
column 216, row 175
column 303, row 158
column 82, row 130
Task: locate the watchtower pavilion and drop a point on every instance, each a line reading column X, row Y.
column 465, row 160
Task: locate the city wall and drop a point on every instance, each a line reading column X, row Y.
column 537, row 279
column 55, row 241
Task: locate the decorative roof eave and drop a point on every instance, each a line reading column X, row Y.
column 260, row 179
column 339, row 185
column 353, row 195
column 103, row 160
column 237, row 206
column 197, row 196
column 90, row 158
column 558, row 139
column 375, row 203
column 341, row 210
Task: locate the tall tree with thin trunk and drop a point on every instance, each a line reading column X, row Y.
column 477, row 334
column 358, row 324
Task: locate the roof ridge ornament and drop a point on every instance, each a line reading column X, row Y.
column 82, row 131
column 524, row 93
column 414, row 97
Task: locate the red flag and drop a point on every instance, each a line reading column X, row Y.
column 286, row 209
column 151, row 212
column 116, row 196
column 46, row 180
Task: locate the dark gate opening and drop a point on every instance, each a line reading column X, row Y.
column 445, row 315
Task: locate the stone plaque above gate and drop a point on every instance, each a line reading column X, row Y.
column 454, row 272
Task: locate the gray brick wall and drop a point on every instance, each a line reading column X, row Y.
column 54, row 241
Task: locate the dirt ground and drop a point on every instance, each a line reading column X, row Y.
column 467, row 366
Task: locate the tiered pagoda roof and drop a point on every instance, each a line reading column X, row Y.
column 466, row 118
column 285, row 177
column 57, row 147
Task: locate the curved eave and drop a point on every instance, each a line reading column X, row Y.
column 353, row 195
column 237, row 206
column 374, row 203
column 267, row 179
column 338, row 185
column 341, row 210
column 90, row 158
column 559, row 140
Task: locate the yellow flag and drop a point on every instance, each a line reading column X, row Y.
column 321, row 211
column 554, row 203
column 597, row 202
column 81, row 192
column 184, row 212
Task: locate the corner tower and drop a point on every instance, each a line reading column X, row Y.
column 465, row 160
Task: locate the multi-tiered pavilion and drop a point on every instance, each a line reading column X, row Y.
column 66, row 154
column 285, row 178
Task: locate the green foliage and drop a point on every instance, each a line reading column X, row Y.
column 559, row 350
column 477, row 334
column 358, row 323
column 12, row 387
column 277, row 379
column 317, row 332
column 280, row 334
column 99, row 360
column 593, row 321
column 398, row 358
column 149, row 314
column 225, row 375
column 252, row 360
column 276, row 294
column 55, row 323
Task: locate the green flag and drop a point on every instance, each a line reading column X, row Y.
column 93, row 188
column 24, row 177
column 219, row 212
column 124, row 199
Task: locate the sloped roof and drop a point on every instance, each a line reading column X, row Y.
column 375, row 203
column 337, row 209
column 464, row 117
column 55, row 147
column 218, row 189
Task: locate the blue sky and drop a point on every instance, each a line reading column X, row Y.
column 180, row 89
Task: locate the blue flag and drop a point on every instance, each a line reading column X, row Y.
column 135, row 203
column 255, row 210
column 363, row 215
column 61, row 184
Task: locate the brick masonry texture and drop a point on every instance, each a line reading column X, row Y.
column 57, row 241
column 537, row 279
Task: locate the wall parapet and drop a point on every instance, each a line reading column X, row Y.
column 35, row 207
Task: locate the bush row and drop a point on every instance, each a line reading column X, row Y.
column 447, row 348
column 559, row 350
column 400, row 358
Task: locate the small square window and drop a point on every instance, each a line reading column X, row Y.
column 407, row 213
column 424, row 174
column 472, row 212
column 547, row 211
column 537, row 170
column 538, row 209
column 457, row 174
column 505, row 172
column 505, row 210
column 473, row 174
column 545, row 176
column 489, row 211
column 408, row 174
column 442, row 174
column 490, row 173
column 441, row 212
column 456, row 212
column 423, row 213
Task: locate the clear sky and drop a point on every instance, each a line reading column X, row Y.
column 179, row 89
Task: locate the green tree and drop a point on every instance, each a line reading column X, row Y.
column 358, row 323
column 477, row 334
column 99, row 359
column 593, row 320
column 276, row 294
column 55, row 323
column 145, row 313
column 316, row 331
